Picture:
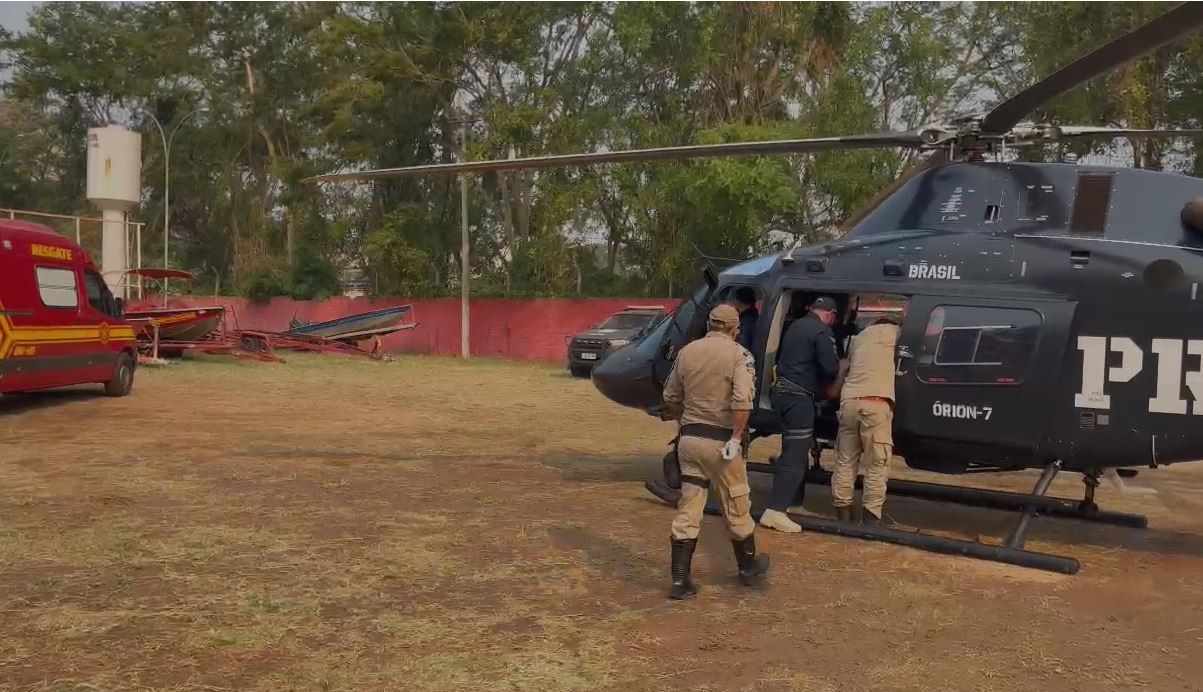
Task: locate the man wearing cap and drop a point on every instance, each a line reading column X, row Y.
column 866, row 420
column 710, row 391
column 807, row 363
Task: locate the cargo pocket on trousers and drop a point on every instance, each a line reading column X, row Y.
column 883, row 433
column 881, row 454
column 883, row 436
column 739, row 502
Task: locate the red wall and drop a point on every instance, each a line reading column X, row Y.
column 532, row 330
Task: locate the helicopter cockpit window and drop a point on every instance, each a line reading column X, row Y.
column 978, row 345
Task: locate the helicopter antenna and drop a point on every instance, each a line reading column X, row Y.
column 788, row 258
column 711, row 259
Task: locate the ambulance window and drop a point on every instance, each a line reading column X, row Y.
column 96, row 293
column 978, row 345
column 57, row 287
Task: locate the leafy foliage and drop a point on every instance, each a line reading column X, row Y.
column 289, row 90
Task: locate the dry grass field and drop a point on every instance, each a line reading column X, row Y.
column 428, row 524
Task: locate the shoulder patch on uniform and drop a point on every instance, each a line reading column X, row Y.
column 749, row 361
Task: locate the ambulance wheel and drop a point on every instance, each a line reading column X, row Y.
column 123, row 377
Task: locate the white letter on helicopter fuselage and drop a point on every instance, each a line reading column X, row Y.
column 934, row 271
column 1169, row 377
column 1168, row 397
column 1094, row 367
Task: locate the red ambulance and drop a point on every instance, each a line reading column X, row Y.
column 59, row 323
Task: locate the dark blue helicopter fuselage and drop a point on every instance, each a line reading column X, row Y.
column 1052, row 312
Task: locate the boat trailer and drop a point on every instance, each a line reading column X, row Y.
column 167, row 331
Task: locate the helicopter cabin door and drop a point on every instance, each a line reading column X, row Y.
column 976, row 378
column 688, row 322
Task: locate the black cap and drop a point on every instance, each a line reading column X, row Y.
column 824, row 303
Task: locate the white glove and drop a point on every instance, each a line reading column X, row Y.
column 732, row 449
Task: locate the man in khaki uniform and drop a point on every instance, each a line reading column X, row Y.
column 710, row 391
column 866, row 420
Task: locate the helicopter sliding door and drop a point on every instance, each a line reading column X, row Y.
column 976, row 379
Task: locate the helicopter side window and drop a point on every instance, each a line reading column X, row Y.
column 978, row 345
column 731, row 293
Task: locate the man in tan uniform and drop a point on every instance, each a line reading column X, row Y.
column 710, row 391
column 866, row 420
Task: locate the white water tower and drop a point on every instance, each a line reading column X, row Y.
column 114, row 185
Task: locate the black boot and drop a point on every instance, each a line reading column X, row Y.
column 752, row 567
column 682, row 556
column 843, row 514
column 869, row 519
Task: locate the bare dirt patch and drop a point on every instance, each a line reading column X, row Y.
column 435, row 525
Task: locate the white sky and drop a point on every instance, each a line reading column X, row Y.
column 12, row 17
column 12, row 14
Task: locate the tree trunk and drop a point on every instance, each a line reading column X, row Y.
column 273, row 156
column 576, row 265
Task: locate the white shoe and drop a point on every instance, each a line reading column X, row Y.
column 778, row 521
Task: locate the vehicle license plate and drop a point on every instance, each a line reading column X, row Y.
column 588, row 356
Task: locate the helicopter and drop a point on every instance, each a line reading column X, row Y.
column 1051, row 310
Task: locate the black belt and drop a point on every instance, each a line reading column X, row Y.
column 707, row 431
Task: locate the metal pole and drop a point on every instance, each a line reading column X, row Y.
column 138, row 233
column 166, row 182
column 167, row 186
column 464, row 350
column 77, row 220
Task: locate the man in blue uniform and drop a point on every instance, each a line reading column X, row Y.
column 808, row 363
column 745, row 302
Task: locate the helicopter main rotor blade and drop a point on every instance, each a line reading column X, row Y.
column 1178, row 22
column 1068, row 131
column 937, row 158
column 783, row 146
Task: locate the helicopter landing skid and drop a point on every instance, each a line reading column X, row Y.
column 1010, row 552
column 936, row 544
column 1082, row 510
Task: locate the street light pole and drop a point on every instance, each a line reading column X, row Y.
column 465, row 274
column 167, row 140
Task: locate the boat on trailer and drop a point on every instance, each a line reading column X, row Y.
column 167, row 331
column 358, row 327
column 342, row 335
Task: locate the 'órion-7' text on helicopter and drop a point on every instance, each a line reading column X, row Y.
column 1053, row 316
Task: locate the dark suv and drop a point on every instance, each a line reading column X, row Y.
column 626, row 325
